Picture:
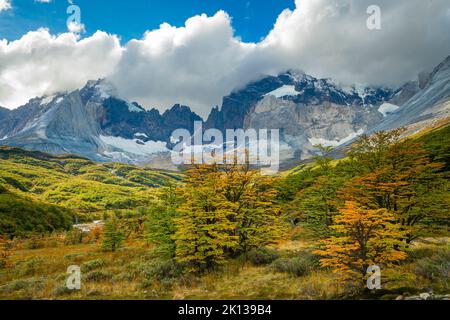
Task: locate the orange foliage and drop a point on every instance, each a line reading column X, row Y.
column 365, row 237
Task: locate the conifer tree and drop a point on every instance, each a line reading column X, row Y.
column 160, row 226
column 317, row 203
column 113, row 237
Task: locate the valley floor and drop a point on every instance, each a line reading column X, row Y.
column 41, row 274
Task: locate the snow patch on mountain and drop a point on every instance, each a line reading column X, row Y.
column 47, row 100
column 283, row 92
column 360, row 90
column 140, row 134
column 134, row 108
column 134, row 146
column 388, row 108
column 336, row 142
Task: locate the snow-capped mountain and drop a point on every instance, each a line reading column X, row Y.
column 308, row 111
column 96, row 123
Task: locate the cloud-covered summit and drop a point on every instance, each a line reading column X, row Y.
column 200, row 62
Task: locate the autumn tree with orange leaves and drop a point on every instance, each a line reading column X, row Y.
column 397, row 175
column 364, row 237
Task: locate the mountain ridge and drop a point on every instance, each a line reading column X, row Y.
column 95, row 123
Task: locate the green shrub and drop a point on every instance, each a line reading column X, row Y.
column 420, row 253
column 124, row 276
column 92, row 265
column 73, row 237
column 294, row 266
column 436, row 267
column 62, row 277
column 30, row 267
column 162, row 269
column 98, row 276
column 51, row 243
column 14, row 286
column 74, row 256
column 298, row 266
column 262, row 256
column 35, row 242
column 19, row 285
column 94, row 293
column 62, row 290
column 136, row 268
column 167, row 284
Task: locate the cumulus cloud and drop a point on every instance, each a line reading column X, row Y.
column 5, row 5
column 330, row 38
column 195, row 65
column 40, row 64
column 200, row 62
column 76, row 27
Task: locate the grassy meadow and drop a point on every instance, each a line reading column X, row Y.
column 133, row 273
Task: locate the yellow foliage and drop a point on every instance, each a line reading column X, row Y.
column 365, row 237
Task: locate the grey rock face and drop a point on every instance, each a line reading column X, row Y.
column 310, row 111
column 62, row 126
column 406, row 92
column 92, row 123
column 428, row 104
column 424, row 79
column 95, row 123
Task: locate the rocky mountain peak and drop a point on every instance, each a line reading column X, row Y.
column 95, row 122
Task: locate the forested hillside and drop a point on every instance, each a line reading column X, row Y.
column 77, row 183
column 20, row 215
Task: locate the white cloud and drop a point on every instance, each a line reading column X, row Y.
column 40, row 63
column 199, row 63
column 195, row 65
column 5, row 5
column 76, row 27
column 330, row 38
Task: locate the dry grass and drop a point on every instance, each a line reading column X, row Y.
column 41, row 274
column 258, row 283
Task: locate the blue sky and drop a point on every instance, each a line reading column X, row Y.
column 252, row 19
